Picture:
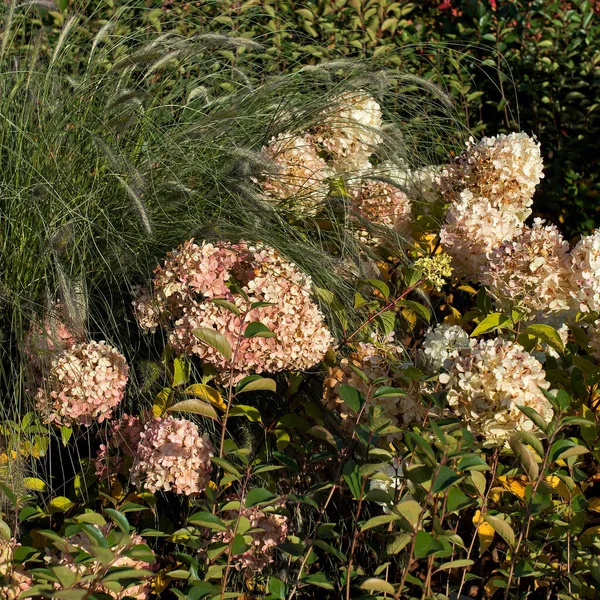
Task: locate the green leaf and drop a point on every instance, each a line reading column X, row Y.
column 120, row 574
column 534, row 416
column 11, row 496
column 238, row 545
column 230, row 306
column 373, row 584
column 351, row 396
column 397, row 543
column 352, row 477
column 258, row 329
column 65, row 435
column 226, row 466
column 196, row 407
column 90, row 517
column 503, row 529
column 206, row 519
column 379, row 285
column 215, row 340
column 410, row 510
column 319, row 580
column 426, row 544
column 258, row 496
column 119, row 518
column 242, row 410
column 181, row 371
column 564, row 448
column 547, row 334
column 256, row 385
column 444, row 478
column 455, row 564
column 526, row 459
column 420, row 310
column 490, row 323
column 379, row 520
column 65, row 576
column 389, row 392
column 61, row 504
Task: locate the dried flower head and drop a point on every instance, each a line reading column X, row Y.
column 300, row 176
column 504, row 169
column 488, row 381
column 474, row 228
column 84, row 384
column 14, row 580
column 266, row 530
column 172, row 455
column 193, row 276
column 441, row 343
column 531, row 271
column 350, row 132
column 121, row 445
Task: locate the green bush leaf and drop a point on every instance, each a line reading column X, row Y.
column 215, row 340
column 196, row 407
column 351, row 396
column 373, row 584
column 242, row 410
column 258, row 329
column 258, row 496
column 258, row 385
column 491, row 323
column 503, row 529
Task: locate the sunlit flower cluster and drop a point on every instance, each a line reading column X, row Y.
column 488, row 381
column 82, row 543
column 193, row 276
column 121, row 444
column 435, row 269
column 267, row 530
column 531, row 271
column 351, row 131
column 585, row 276
column 301, row 174
column 382, row 203
column 442, row 342
column 84, row 384
column 375, row 363
column 474, row 228
column 504, row 169
column 172, row 455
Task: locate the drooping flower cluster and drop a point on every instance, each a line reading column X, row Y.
column 13, row 578
column 375, row 364
column 84, row 384
column 193, row 276
column 121, row 444
column 488, row 381
column 442, row 342
column 267, row 530
column 351, row 131
column 585, row 275
column 172, row 455
column 435, row 269
column 382, row 203
column 91, row 570
column 474, row 228
column 531, row 271
column 503, row 169
column 301, row 174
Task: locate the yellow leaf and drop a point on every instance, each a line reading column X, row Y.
column 207, row 394
column 485, row 532
column 160, row 582
column 516, row 485
column 587, row 537
column 162, row 401
column 594, row 504
column 560, row 488
column 490, row 587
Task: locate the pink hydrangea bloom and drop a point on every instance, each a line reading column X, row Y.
column 267, row 530
column 84, row 384
column 193, row 276
column 15, row 579
column 122, row 443
column 172, row 455
column 301, row 174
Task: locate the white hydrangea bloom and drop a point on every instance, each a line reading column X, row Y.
column 585, row 277
column 488, row 381
column 474, row 228
column 531, row 271
column 505, row 169
column 442, row 342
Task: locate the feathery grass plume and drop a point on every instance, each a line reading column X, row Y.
column 112, row 155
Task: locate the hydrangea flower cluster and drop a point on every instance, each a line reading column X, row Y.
column 84, row 384
column 382, row 203
column 585, row 272
column 301, row 175
column 172, row 455
column 82, row 543
column 351, row 132
column 122, row 444
column 193, row 276
column 504, row 169
column 473, row 228
column 442, row 342
column 531, row 271
column 13, row 579
column 375, row 364
column 487, row 381
column 435, row 269
column 267, row 530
